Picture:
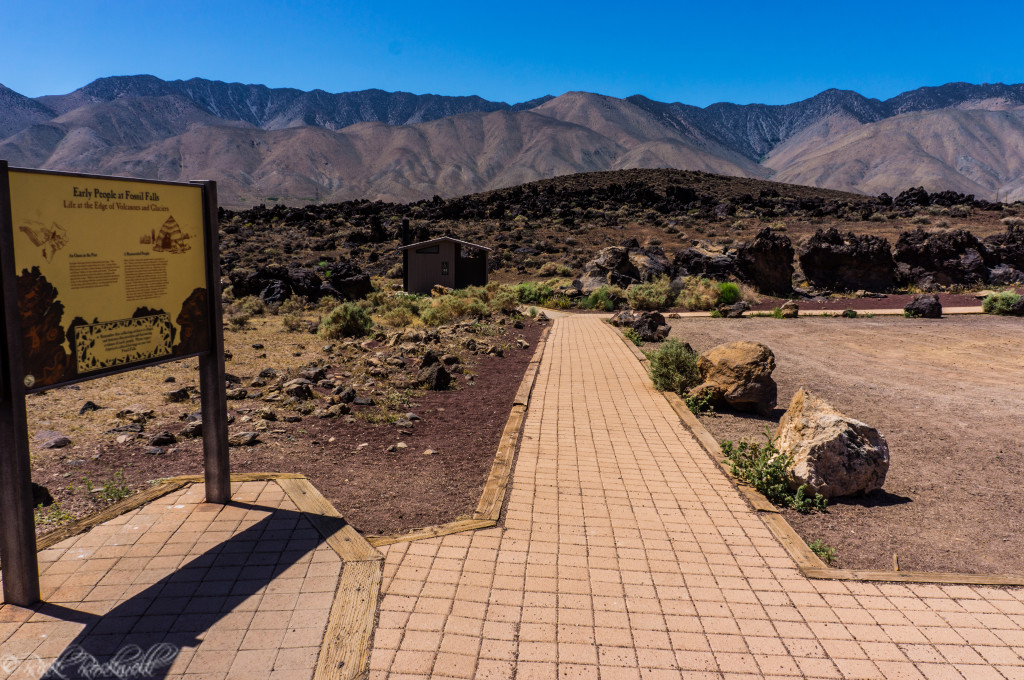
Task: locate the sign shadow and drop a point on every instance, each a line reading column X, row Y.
column 143, row 636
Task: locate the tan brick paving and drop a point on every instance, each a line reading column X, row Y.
column 626, row 553
column 240, row 591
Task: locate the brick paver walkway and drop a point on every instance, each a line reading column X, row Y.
column 626, row 553
column 196, row 590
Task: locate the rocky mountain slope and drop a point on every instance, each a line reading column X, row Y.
column 264, row 144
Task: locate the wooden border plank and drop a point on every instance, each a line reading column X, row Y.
column 345, row 650
column 455, row 527
column 339, row 534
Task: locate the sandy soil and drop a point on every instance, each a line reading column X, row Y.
column 946, row 394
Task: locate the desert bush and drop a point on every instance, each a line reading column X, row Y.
column 920, row 219
column 503, row 299
column 237, row 319
column 878, row 217
column 1003, row 304
column 633, row 337
column 293, row 305
column 673, row 367
column 346, row 320
column 395, row 272
column 654, row 295
column 531, row 292
column 698, row 293
column 554, row 269
column 252, row 305
column 325, row 304
column 291, row 322
column 763, row 467
column 605, row 298
column 823, row 550
column 1013, row 221
column 728, row 293
column 450, row 308
column 560, row 302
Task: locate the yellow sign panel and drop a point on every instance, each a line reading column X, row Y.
column 110, row 273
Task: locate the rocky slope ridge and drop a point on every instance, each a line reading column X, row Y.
column 263, row 143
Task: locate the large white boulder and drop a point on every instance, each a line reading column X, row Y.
column 834, row 455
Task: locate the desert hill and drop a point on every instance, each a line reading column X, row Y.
column 280, row 144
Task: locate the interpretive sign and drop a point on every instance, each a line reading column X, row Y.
column 111, row 273
column 100, row 275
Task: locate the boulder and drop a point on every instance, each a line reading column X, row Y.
column 944, row 258
column 790, row 310
column 623, row 318
column 834, row 455
column 734, row 311
column 243, row 439
column 650, row 263
column 300, row 388
column 835, row 261
column 738, row 374
column 612, row 266
column 348, row 281
column 924, row 307
column 716, row 264
column 1007, row 249
column 434, row 377
column 767, row 263
column 650, row 326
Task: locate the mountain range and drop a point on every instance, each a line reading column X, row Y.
column 265, row 144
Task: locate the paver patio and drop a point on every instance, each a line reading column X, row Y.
column 626, row 553
column 184, row 589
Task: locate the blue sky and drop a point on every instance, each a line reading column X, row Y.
column 697, row 53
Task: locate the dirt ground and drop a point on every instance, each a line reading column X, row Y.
column 945, row 393
column 346, row 458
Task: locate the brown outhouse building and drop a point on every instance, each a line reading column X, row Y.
column 443, row 261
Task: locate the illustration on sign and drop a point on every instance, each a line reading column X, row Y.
column 110, row 273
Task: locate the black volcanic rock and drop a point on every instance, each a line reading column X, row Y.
column 698, row 262
column 767, row 262
column 1006, row 249
column 943, row 258
column 834, row 261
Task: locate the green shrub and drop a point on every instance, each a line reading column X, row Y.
column 826, row 552
column 728, row 293
column 764, row 468
column 653, row 295
column 347, row 320
column 674, row 367
column 560, row 302
column 504, row 300
column 115, row 488
column 531, row 292
column 555, row 269
column 698, row 294
column 700, row 403
column 450, row 308
column 605, row 298
column 292, row 322
column 1004, row 304
column 633, row 337
column 293, row 305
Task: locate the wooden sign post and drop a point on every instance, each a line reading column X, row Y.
column 100, row 275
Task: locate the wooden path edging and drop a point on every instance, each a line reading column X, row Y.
column 488, row 510
column 809, row 564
